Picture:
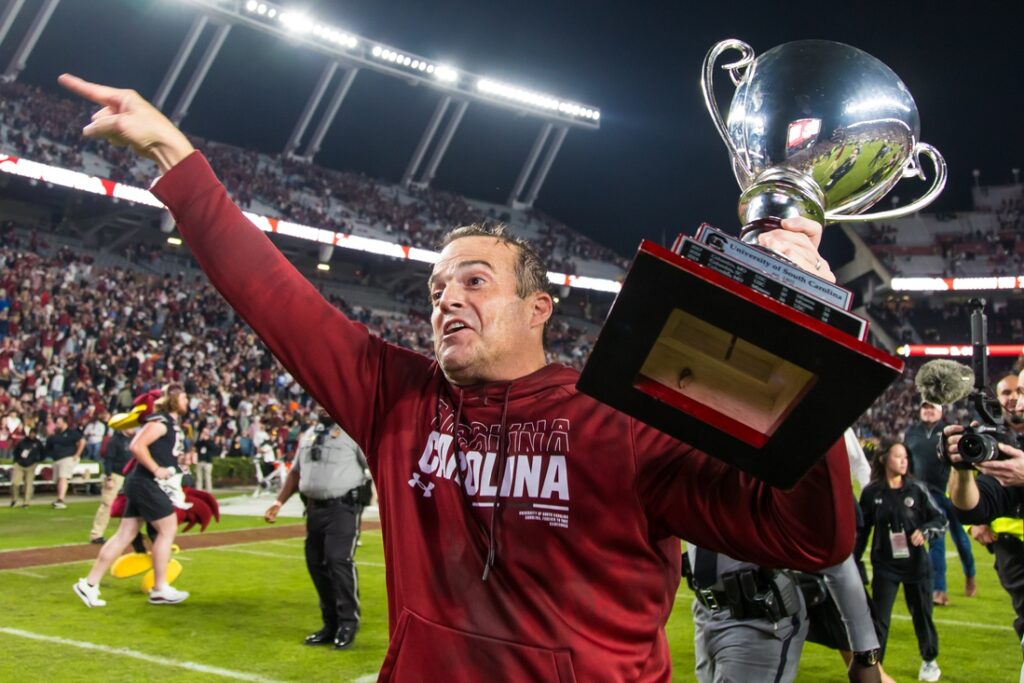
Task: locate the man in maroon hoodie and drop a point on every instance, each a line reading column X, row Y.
column 530, row 532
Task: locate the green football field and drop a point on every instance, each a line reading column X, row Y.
column 253, row 603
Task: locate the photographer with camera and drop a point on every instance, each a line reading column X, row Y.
column 991, row 445
column 1004, row 536
column 997, row 492
column 330, row 474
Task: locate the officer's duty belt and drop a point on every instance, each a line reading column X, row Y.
column 350, row 498
column 752, row 594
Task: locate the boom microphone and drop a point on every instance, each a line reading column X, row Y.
column 944, row 381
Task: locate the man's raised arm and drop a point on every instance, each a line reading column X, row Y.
column 337, row 361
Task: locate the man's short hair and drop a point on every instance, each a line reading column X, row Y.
column 531, row 273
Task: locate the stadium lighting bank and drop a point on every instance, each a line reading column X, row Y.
column 356, row 50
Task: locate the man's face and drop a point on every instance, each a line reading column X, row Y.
column 483, row 330
column 1010, row 391
column 930, row 413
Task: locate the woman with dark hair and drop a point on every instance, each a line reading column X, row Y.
column 152, row 489
column 903, row 516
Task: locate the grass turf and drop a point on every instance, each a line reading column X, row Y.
column 252, row 604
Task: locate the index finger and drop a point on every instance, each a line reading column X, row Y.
column 100, row 94
column 806, row 226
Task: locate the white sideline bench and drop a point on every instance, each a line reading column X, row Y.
column 85, row 475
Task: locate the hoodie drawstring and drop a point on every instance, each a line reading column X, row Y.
column 492, row 541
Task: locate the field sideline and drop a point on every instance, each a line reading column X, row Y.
column 253, row 603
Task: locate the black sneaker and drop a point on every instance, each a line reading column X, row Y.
column 324, row 636
column 345, row 637
column 98, row 541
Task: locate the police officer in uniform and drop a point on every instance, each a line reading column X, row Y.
column 750, row 623
column 330, row 473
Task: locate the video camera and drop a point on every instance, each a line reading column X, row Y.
column 980, row 443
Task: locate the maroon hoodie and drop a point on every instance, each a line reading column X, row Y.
column 582, row 556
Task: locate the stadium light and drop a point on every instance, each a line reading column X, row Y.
column 441, row 72
column 299, row 22
column 176, row 241
column 445, row 73
column 536, row 99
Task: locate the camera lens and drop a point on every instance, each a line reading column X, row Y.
column 975, row 448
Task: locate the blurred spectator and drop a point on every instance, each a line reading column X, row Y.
column 27, row 454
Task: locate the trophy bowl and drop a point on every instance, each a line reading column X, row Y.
column 818, row 129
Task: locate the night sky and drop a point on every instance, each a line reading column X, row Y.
column 655, row 168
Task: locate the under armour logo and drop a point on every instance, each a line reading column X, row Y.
column 427, row 487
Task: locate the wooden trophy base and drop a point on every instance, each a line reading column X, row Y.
column 726, row 368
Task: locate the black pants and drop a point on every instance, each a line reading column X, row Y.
column 1009, row 553
column 919, row 602
column 332, row 530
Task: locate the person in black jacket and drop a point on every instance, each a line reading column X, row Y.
column 27, row 454
column 903, row 516
column 922, row 442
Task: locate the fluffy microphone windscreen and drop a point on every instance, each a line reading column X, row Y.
column 944, row 381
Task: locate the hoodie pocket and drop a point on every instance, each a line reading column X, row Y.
column 424, row 651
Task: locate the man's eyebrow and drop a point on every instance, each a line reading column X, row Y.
column 460, row 265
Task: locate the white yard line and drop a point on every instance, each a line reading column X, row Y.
column 22, row 572
column 51, row 564
column 151, row 659
column 225, row 549
column 968, row 624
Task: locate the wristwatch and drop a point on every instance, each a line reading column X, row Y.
column 867, row 658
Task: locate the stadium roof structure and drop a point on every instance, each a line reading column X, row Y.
column 347, row 54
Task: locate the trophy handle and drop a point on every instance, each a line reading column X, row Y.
column 913, row 168
column 737, row 73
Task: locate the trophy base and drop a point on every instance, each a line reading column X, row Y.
column 761, row 385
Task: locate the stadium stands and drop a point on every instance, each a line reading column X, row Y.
column 78, row 339
column 284, row 187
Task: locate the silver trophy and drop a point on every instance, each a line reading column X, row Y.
column 818, row 129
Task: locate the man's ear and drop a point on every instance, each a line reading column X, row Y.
column 543, row 307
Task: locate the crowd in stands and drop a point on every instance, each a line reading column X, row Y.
column 81, row 341
column 935, row 321
column 891, row 414
column 47, row 128
column 998, row 249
